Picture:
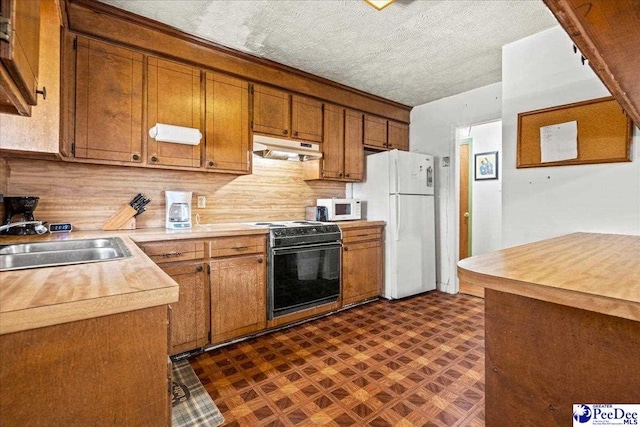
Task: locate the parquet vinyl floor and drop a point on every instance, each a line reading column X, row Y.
column 411, row 362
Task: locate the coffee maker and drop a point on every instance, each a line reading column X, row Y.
column 178, row 209
column 20, row 209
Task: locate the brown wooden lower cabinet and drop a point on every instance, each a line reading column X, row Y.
column 105, row 371
column 362, row 264
column 238, row 296
column 190, row 315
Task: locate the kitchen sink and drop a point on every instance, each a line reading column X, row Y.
column 48, row 254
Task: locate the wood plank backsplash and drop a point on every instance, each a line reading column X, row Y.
column 87, row 195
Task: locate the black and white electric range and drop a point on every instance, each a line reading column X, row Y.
column 303, row 265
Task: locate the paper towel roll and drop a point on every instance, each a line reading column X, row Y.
column 175, row 134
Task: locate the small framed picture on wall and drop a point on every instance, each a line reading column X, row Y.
column 486, row 166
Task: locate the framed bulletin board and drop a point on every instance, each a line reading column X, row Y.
column 603, row 133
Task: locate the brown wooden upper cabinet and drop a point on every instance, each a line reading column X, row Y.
column 385, row 134
column 306, row 118
column 342, row 151
column 227, row 124
column 280, row 114
column 174, row 97
column 108, row 101
column 271, row 111
column 19, row 55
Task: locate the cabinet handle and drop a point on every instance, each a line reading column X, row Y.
column 212, row 163
column 199, row 268
column 172, row 254
column 347, row 175
column 154, row 159
column 42, row 92
column 346, row 248
column 389, row 145
column 285, row 132
column 240, row 248
column 295, row 133
column 135, row 157
column 340, row 174
column 260, row 260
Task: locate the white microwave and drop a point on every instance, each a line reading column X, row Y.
column 341, row 209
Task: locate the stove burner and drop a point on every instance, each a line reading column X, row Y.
column 269, row 224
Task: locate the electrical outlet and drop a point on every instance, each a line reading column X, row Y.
column 446, row 161
column 202, row 202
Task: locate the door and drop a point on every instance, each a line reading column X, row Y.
column 411, row 173
column 174, row 97
column 353, row 149
column 375, row 131
column 464, row 212
column 398, row 136
column 413, row 245
column 190, row 315
column 271, row 111
column 333, row 145
column 108, row 102
column 238, row 296
column 306, row 118
column 20, row 55
column 227, row 123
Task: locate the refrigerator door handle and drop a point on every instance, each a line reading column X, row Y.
column 430, row 176
column 398, row 212
column 397, row 189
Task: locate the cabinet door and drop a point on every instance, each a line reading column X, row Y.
column 306, row 118
column 108, row 107
column 333, row 145
column 190, row 315
column 20, row 55
column 375, row 131
column 398, row 136
column 361, row 271
column 227, row 123
column 353, row 149
column 238, row 296
column 174, row 97
column 271, row 111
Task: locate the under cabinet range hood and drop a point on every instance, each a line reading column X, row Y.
column 285, row 149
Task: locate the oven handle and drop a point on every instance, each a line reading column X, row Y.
column 302, row 248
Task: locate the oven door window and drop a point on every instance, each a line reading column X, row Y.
column 303, row 278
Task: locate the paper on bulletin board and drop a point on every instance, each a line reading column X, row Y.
column 559, row 142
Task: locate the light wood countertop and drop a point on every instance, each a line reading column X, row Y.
column 595, row 272
column 48, row 296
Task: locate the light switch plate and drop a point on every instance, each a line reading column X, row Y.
column 446, row 161
column 202, row 202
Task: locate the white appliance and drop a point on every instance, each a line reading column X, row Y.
column 341, row 209
column 178, row 210
column 399, row 189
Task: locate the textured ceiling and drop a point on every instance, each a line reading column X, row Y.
column 412, row 52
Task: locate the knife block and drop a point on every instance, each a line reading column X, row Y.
column 121, row 220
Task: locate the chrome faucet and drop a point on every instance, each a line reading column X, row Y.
column 39, row 228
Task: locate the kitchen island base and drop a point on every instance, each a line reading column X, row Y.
column 541, row 358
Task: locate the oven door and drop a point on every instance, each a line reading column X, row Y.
column 302, row 277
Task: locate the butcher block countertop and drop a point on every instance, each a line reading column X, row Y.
column 595, row 272
column 48, row 296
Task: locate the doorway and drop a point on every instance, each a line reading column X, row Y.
column 479, row 195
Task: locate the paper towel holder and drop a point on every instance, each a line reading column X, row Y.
column 175, row 134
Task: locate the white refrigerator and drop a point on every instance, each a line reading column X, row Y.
column 399, row 189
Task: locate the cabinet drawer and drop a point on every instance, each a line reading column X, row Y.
column 161, row 252
column 361, row 234
column 230, row 246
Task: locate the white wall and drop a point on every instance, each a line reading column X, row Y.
column 433, row 131
column 542, row 71
column 486, row 196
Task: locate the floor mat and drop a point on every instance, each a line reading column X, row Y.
column 192, row 405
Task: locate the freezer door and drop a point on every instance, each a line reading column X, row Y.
column 412, row 249
column 411, row 173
